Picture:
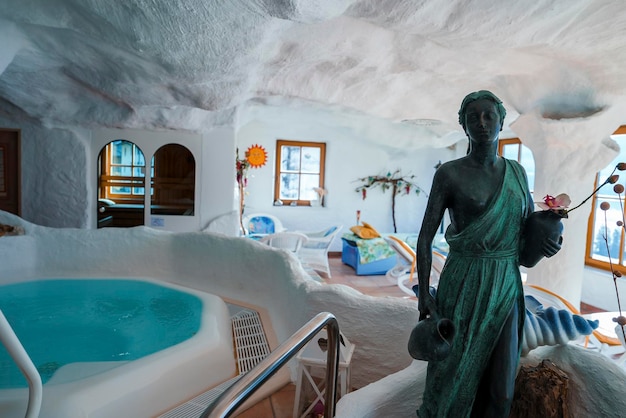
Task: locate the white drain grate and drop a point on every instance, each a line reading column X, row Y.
column 250, row 342
column 250, row 348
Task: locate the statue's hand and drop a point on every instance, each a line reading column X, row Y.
column 550, row 247
column 426, row 305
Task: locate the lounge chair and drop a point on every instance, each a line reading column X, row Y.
column 314, row 252
column 404, row 270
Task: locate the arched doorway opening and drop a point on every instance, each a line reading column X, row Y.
column 121, row 184
column 173, row 181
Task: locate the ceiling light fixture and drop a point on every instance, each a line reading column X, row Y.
column 422, row 122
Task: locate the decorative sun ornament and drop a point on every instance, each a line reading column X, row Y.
column 256, row 156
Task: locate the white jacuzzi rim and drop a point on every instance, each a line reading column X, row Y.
column 195, row 346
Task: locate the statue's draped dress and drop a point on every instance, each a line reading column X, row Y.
column 479, row 286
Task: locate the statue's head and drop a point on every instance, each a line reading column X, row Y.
column 477, row 95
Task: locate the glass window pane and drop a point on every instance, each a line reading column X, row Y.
column 300, row 171
column 289, row 185
column 290, row 158
column 308, row 182
column 118, row 170
column 528, row 162
column 607, row 192
column 126, row 155
column 116, row 152
column 126, row 160
column 139, row 159
column 510, row 151
column 606, row 232
column 310, row 160
column 120, row 190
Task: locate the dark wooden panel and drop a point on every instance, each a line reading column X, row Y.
column 10, row 171
column 122, row 216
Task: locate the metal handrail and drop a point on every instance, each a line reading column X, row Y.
column 234, row 396
column 23, row 361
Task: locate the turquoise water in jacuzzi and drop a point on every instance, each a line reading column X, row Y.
column 63, row 321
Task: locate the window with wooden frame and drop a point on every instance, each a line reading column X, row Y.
column 122, row 172
column 604, row 236
column 299, row 171
column 513, row 149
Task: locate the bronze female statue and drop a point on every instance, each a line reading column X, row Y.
column 480, row 288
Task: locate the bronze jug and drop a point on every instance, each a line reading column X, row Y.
column 431, row 339
column 539, row 225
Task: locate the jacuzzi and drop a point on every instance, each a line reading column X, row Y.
column 142, row 387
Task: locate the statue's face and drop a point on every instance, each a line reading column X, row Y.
column 482, row 121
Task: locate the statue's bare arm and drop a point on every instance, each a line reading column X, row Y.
column 437, row 203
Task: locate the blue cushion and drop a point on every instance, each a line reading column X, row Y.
column 261, row 225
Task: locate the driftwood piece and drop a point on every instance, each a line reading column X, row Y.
column 10, row 230
column 540, row 391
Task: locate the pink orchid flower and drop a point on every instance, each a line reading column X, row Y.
column 559, row 202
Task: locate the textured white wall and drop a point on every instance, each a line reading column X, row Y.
column 55, row 189
column 353, row 150
column 59, row 170
column 568, row 153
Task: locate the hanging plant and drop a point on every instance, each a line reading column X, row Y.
column 399, row 185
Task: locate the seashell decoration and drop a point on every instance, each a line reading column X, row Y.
column 551, row 326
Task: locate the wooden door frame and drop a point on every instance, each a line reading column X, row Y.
column 18, row 166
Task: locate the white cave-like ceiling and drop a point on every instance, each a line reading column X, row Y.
column 189, row 64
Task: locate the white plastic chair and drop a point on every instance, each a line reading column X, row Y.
column 262, row 224
column 291, row 241
column 315, row 251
